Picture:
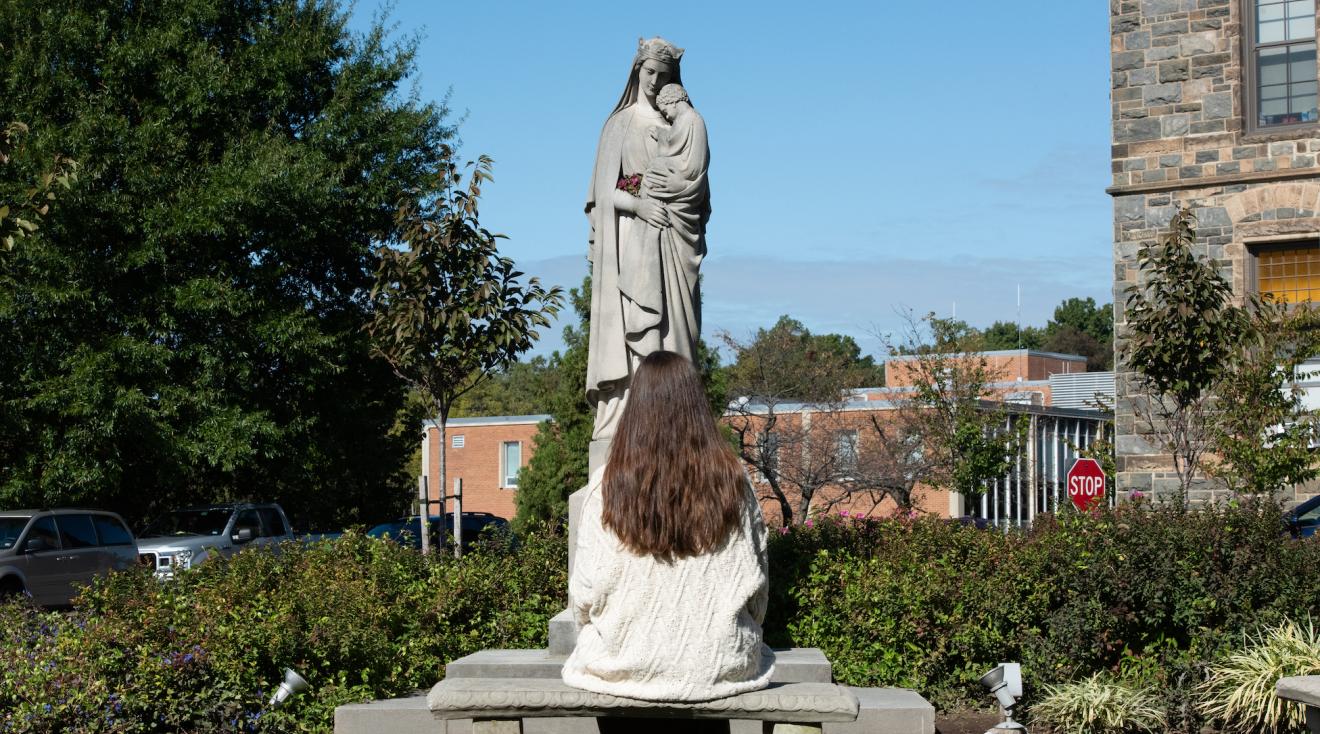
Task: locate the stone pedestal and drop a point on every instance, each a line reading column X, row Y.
column 563, row 632
column 880, row 710
column 1303, row 689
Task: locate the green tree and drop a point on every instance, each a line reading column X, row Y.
column 1263, row 435
column 773, row 362
column 1085, row 316
column 520, row 389
column 24, row 203
column 952, row 413
column 187, row 325
column 1008, row 335
column 448, row 309
column 1081, row 327
column 779, row 377
column 559, row 462
column 1182, row 332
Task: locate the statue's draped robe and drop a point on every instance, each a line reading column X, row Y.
column 644, row 280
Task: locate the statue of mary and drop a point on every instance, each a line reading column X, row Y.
column 644, row 296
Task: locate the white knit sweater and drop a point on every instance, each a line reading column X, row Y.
column 681, row 630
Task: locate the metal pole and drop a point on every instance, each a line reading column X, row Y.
column 1033, row 474
column 458, row 517
column 424, row 501
column 1054, row 476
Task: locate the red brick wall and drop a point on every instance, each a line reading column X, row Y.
column 1003, row 368
column 478, row 464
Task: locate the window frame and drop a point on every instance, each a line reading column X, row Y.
column 71, row 521
column 1255, row 246
column 504, row 468
column 1251, row 81
column 848, row 458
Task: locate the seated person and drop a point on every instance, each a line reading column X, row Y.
column 669, row 584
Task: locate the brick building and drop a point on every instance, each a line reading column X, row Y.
column 486, row 453
column 1051, row 391
column 1214, row 109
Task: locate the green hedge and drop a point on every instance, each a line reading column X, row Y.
column 927, row 604
column 932, row 604
column 360, row 618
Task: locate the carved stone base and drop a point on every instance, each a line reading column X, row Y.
column 504, row 698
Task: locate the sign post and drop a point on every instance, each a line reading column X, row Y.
column 1086, row 483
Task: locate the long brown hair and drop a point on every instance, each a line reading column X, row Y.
column 673, row 486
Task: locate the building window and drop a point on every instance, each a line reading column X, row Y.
column 846, row 447
column 1289, row 272
column 510, row 463
column 458, row 442
column 767, row 457
column 1281, row 63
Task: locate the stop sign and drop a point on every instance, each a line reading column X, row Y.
column 1086, row 483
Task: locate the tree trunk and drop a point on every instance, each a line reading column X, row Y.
column 443, row 410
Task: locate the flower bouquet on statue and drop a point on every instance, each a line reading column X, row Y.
column 632, row 183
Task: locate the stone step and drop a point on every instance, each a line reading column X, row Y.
column 794, row 665
column 880, row 711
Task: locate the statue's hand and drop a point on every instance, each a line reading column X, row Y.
column 653, row 213
column 658, row 179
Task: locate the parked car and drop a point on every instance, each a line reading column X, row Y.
column 1304, row 519
column 49, row 553
column 476, row 525
column 186, row 538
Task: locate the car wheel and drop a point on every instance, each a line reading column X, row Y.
column 11, row 586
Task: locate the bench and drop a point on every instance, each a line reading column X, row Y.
column 1303, row 689
column 499, row 705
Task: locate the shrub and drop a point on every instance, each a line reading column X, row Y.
column 1239, row 690
column 1154, row 595
column 932, row 604
column 359, row 618
column 1099, row 703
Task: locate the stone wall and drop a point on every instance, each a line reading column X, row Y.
column 1180, row 139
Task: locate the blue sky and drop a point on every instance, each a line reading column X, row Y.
column 867, row 157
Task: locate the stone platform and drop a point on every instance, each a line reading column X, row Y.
column 881, row 710
column 1303, row 689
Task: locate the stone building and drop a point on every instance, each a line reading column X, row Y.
column 1213, row 108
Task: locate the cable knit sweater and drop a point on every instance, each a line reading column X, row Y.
column 682, row 630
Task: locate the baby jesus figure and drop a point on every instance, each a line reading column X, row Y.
column 681, row 149
column 663, row 261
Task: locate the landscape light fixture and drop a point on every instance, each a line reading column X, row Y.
column 1005, row 682
column 292, row 683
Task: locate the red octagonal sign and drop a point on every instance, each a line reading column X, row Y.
column 1086, row 483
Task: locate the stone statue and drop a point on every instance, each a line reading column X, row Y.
column 648, row 206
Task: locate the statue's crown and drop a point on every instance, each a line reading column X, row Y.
column 658, row 49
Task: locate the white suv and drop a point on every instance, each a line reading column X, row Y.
column 185, row 538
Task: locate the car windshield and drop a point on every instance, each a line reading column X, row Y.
column 1309, row 511
column 10, row 529
column 190, row 522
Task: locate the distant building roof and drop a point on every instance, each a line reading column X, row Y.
column 489, row 420
column 1001, row 353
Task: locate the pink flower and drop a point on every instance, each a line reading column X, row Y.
column 1136, row 494
column 783, row 530
column 843, row 513
column 808, row 522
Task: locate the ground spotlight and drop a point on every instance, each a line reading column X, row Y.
column 292, row 683
column 1005, row 682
